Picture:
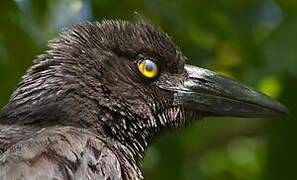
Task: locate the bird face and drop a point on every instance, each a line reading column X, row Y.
column 140, row 79
column 130, row 81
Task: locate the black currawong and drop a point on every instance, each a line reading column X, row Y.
column 85, row 111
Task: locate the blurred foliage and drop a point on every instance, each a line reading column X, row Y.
column 253, row 41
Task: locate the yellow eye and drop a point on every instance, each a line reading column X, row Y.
column 148, row 68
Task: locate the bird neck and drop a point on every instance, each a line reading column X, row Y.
column 132, row 135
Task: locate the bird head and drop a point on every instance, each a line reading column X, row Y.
column 128, row 82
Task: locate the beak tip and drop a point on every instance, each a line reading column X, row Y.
column 277, row 111
column 284, row 111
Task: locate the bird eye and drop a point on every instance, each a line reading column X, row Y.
column 148, row 68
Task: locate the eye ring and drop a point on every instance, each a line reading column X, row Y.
column 148, row 68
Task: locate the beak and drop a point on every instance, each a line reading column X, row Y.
column 209, row 92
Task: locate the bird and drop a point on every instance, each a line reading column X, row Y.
column 104, row 91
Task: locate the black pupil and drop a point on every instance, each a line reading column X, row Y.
column 149, row 66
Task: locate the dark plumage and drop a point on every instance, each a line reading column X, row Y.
column 85, row 111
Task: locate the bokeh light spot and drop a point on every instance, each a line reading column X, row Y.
column 270, row 86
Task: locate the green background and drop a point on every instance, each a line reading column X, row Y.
column 252, row 41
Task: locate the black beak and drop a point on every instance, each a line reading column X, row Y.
column 209, row 92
